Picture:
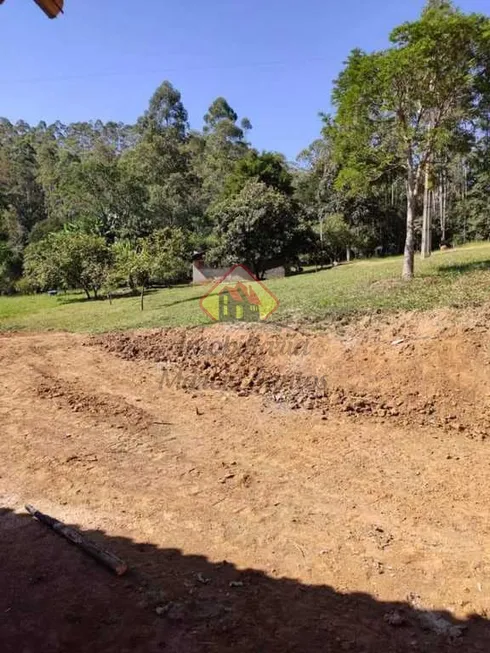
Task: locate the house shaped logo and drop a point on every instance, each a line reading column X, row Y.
column 239, row 296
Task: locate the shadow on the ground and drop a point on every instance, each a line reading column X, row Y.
column 124, row 294
column 462, row 268
column 315, row 270
column 302, row 272
column 183, row 301
column 55, row 599
column 82, row 299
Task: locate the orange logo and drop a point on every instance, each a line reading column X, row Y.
column 239, row 296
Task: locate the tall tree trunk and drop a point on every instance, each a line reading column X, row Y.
column 142, row 298
column 348, row 254
column 426, row 248
column 409, row 253
column 441, row 214
column 322, row 251
column 444, row 206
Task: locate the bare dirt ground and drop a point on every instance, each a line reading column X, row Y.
column 302, row 492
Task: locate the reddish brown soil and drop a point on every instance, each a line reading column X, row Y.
column 258, row 509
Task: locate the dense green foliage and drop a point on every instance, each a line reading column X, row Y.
column 68, row 260
column 161, row 258
column 403, row 162
column 259, row 226
column 96, row 206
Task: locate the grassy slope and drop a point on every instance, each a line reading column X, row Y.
column 453, row 278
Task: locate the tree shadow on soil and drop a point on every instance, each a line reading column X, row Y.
column 55, row 599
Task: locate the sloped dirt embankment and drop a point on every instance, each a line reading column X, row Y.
column 412, row 370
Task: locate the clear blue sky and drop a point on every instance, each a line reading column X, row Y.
column 273, row 60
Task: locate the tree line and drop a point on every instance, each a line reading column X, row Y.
column 402, row 164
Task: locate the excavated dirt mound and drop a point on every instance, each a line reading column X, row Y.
column 414, row 370
column 244, row 361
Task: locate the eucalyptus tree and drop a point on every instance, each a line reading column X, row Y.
column 398, row 107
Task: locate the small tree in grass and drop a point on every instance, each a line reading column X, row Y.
column 161, row 258
column 337, row 237
column 171, row 252
column 133, row 264
column 68, row 260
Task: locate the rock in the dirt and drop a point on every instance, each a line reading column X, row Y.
column 395, row 619
column 210, row 610
column 202, row 579
column 434, row 621
column 176, row 611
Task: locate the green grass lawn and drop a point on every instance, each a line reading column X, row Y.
column 453, row 278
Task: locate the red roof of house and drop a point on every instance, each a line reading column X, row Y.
column 240, row 292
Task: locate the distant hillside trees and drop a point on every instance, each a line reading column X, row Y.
column 402, row 164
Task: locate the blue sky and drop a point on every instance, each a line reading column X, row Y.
column 273, row 60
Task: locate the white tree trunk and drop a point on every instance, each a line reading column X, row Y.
column 409, row 253
column 426, row 248
column 443, row 207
